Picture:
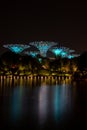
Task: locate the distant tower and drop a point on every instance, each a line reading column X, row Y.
column 16, row 48
column 43, row 46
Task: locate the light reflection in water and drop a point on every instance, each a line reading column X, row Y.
column 51, row 96
column 17, row 101
column 42, row 99
column 56, row 102
column 61, row 101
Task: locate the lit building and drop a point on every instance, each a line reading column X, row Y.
column 43, row 46
column 16, row 48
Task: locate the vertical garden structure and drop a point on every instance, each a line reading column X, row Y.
column 32, row 53
column 43, row 46
column 16, row 48
column 63, row 52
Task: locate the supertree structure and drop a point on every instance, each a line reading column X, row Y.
column 32, row 53
column 70, row 56
column 43, row 46
column 63, row 52
column 60, row 51
column 16, row 48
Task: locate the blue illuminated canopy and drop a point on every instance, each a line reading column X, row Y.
column 60, row 51
column 57, row 51
column 70, row 56
column 16, row 48
column 73, row 56
column 64, row 52
column 32, row 53
column 43, row 46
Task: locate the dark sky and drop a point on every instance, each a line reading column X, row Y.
column 63, row 22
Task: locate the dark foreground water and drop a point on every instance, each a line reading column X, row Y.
column 43, row 104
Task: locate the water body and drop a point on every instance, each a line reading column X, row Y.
column 43, row 104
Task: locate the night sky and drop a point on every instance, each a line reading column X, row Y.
column 63, row 22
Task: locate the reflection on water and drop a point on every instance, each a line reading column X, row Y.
column 11, row 82
column 16, row 101
column 41, row 102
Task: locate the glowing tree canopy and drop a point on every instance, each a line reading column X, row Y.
column 43, row 46
column 60, row 51
column 32, row 53
column 16, row 48
column 63, row 52
column 57, row 51
column 70, row 56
